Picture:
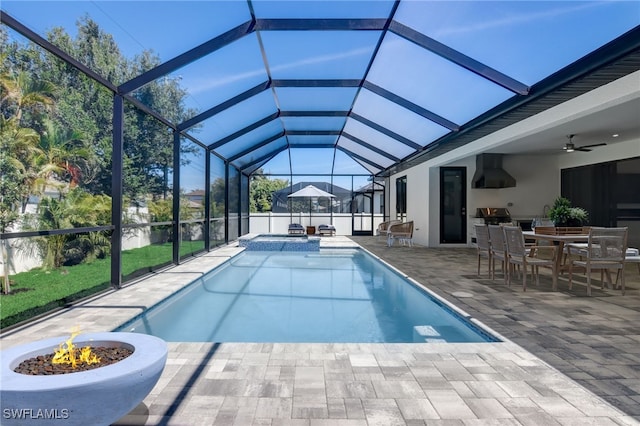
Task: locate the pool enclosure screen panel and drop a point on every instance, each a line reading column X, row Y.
column 243, row 62
column 363, row 87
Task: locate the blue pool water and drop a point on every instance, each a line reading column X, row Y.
column 341, row 295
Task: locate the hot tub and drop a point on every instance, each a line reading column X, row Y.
column 280, row 242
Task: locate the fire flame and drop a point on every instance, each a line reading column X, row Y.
column 68, row 353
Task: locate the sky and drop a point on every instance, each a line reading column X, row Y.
column 526, row 40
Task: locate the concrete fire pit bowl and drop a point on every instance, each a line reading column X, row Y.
column 96, row 397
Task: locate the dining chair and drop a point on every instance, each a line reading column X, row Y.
column 498, row 251
column 606, row 250
column 519, row 255
column 483, row 245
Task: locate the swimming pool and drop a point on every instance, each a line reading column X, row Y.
column 334, row 295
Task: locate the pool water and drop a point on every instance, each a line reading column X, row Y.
column 340, row 295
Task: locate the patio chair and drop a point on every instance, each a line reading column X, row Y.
column 519, row 255
column 327, row 230
column 498, row 250
column 296, row 228
column 383, row 227
column 483, row 245
column 403, row 232
column 632, row 256
column 606, row 250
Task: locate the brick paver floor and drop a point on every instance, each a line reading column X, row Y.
column 569, row 359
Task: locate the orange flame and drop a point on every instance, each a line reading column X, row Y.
column 68, row 353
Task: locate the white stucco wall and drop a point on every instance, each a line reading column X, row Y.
column 417, row 202
column 537, row 176
column 537, row 183
column 602, row 154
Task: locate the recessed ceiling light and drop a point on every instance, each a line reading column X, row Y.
column 615, row 135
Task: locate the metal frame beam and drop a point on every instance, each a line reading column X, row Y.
column 314, row 113
column 459, row 58
column 177, row 239
column 385, row 131
column 312, row 132
column 256, row 146
column 245, row 130
column 312, row 145
column 316, row 83
column 373, row 24
column 117, row 167
column 371, row 147
column 188, row 57
column 207, row 201
column 17, row 26
column 224, row 105
column 264, row 158
column 359, row 157
column 411, row 106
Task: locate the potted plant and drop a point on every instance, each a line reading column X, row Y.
column 577, row 216
column 563, row 214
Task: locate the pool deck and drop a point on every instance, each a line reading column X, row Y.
column 569, row 360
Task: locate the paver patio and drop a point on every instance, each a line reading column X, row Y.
column 571, row 360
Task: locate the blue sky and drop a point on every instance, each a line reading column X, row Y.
column 527, row 40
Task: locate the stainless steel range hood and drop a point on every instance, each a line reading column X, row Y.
column 490, row 174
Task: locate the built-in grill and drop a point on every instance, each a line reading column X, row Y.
column 493, row 215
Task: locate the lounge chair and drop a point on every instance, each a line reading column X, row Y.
column 327, row 230
column 383, row 228
column 402, row 232
column 296, row 228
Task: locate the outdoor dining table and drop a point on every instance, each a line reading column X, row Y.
column 561, row 240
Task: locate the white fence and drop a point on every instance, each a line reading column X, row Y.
column 21, row 259
column 278, row 223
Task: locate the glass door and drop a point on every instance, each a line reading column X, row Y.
column 453, row 205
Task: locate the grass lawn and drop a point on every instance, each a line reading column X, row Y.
column 38, row 291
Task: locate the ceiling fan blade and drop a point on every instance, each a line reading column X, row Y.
column 583, row 149
column 592, row 145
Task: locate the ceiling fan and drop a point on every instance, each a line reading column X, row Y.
column 571, row 147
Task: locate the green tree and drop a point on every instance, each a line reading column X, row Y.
column 21, row 97
column 23, row 102
column 84, row 105
column 148, row 142
column 218, row 197
column 162, row 211
column 62, row 151
column 75, row 209
column 261, row 191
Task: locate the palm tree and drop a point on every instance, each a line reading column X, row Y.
column 75, row 209
column 20, row 93
column 18, row 145
column 61, row 152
